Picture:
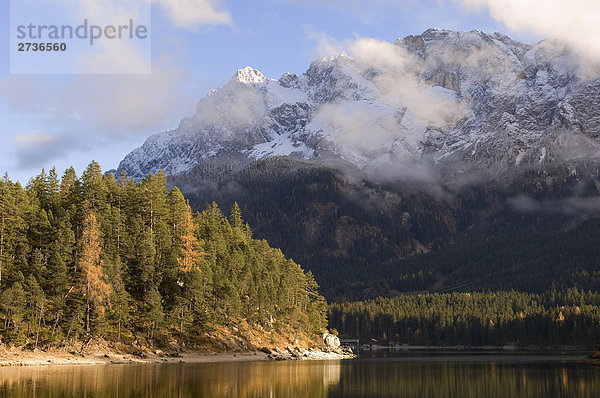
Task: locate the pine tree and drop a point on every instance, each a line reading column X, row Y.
column 98, row 256
column 152, row 206
column 152, row 312
column 41, row 233
column 179, row 208
column 36, row 264
column 7, row 215
column 316, row 306
column 54, row 199
column 94, row 187
column 119, row 300
column 35, row 312
column 13, row 303
column 235, row 216
column 68, row 184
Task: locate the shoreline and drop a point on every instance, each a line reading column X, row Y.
column 65, row 359
column 487, row 348
column 17, row 357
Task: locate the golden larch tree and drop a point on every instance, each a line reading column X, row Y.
column 190, row 254
column 92, row 282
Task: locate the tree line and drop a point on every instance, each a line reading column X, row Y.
column 557, row 317
column 108, row 257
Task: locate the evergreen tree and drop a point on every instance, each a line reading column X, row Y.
column 235, row 216
column 35, row 309
column 102, row 257
column 94, row 188
column 13, row 308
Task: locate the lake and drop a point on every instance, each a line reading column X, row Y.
column 380, row 374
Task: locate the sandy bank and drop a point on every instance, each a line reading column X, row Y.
column 18, row 357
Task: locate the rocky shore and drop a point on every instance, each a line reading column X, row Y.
column 18, row 357
column 103, row 354
column 296, row 353
column 331, row 350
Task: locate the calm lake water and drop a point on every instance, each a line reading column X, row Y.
column 381, row 375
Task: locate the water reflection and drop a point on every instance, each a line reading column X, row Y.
column 387, row 377
column 246, row 379
column 455, row 377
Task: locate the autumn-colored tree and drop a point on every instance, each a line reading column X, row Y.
column 96, row 290
column 190, row 253
column 188, row 260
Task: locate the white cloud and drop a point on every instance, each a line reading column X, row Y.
column 394, row 72
column 397, row 81
column 87, row 111
column 404, row 106
column 191, row 13
column 186, row 14
column 237, row 106
column 118, row 57
column 574, row 22
column 570, row 205
column 37, row 138
column 108, row 105
column 134, row 57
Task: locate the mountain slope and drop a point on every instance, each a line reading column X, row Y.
column 363, row 239
column 443, row 98
column 443, row 161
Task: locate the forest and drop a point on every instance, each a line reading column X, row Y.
column 99, row 256
column 557, row 317
column 363, row 239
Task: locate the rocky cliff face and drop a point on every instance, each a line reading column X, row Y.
column 442, row 99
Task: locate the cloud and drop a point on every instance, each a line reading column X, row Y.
column 358, row 4
column 128, row 104
column 394, row 72
column 38, row 149
column 86, row 111
column 110, row 105
column 187, row 14
column 109, row 56
column 236, row 107
column 117, row 58
column 571, row 205
column 191, row 13
column 573, row 22
column 360, row 130
column 524, row 204
column 398, row 108
column 133, row 56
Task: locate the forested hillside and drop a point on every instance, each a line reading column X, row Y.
column 98, row 256
column 363, row 239
column 565, row 317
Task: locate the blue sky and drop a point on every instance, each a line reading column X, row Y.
column 62, row 120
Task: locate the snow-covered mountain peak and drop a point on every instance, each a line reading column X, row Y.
column 454, row 97
column 249, row 75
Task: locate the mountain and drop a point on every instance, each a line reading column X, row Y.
column 441, row 98
column 441, row 160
